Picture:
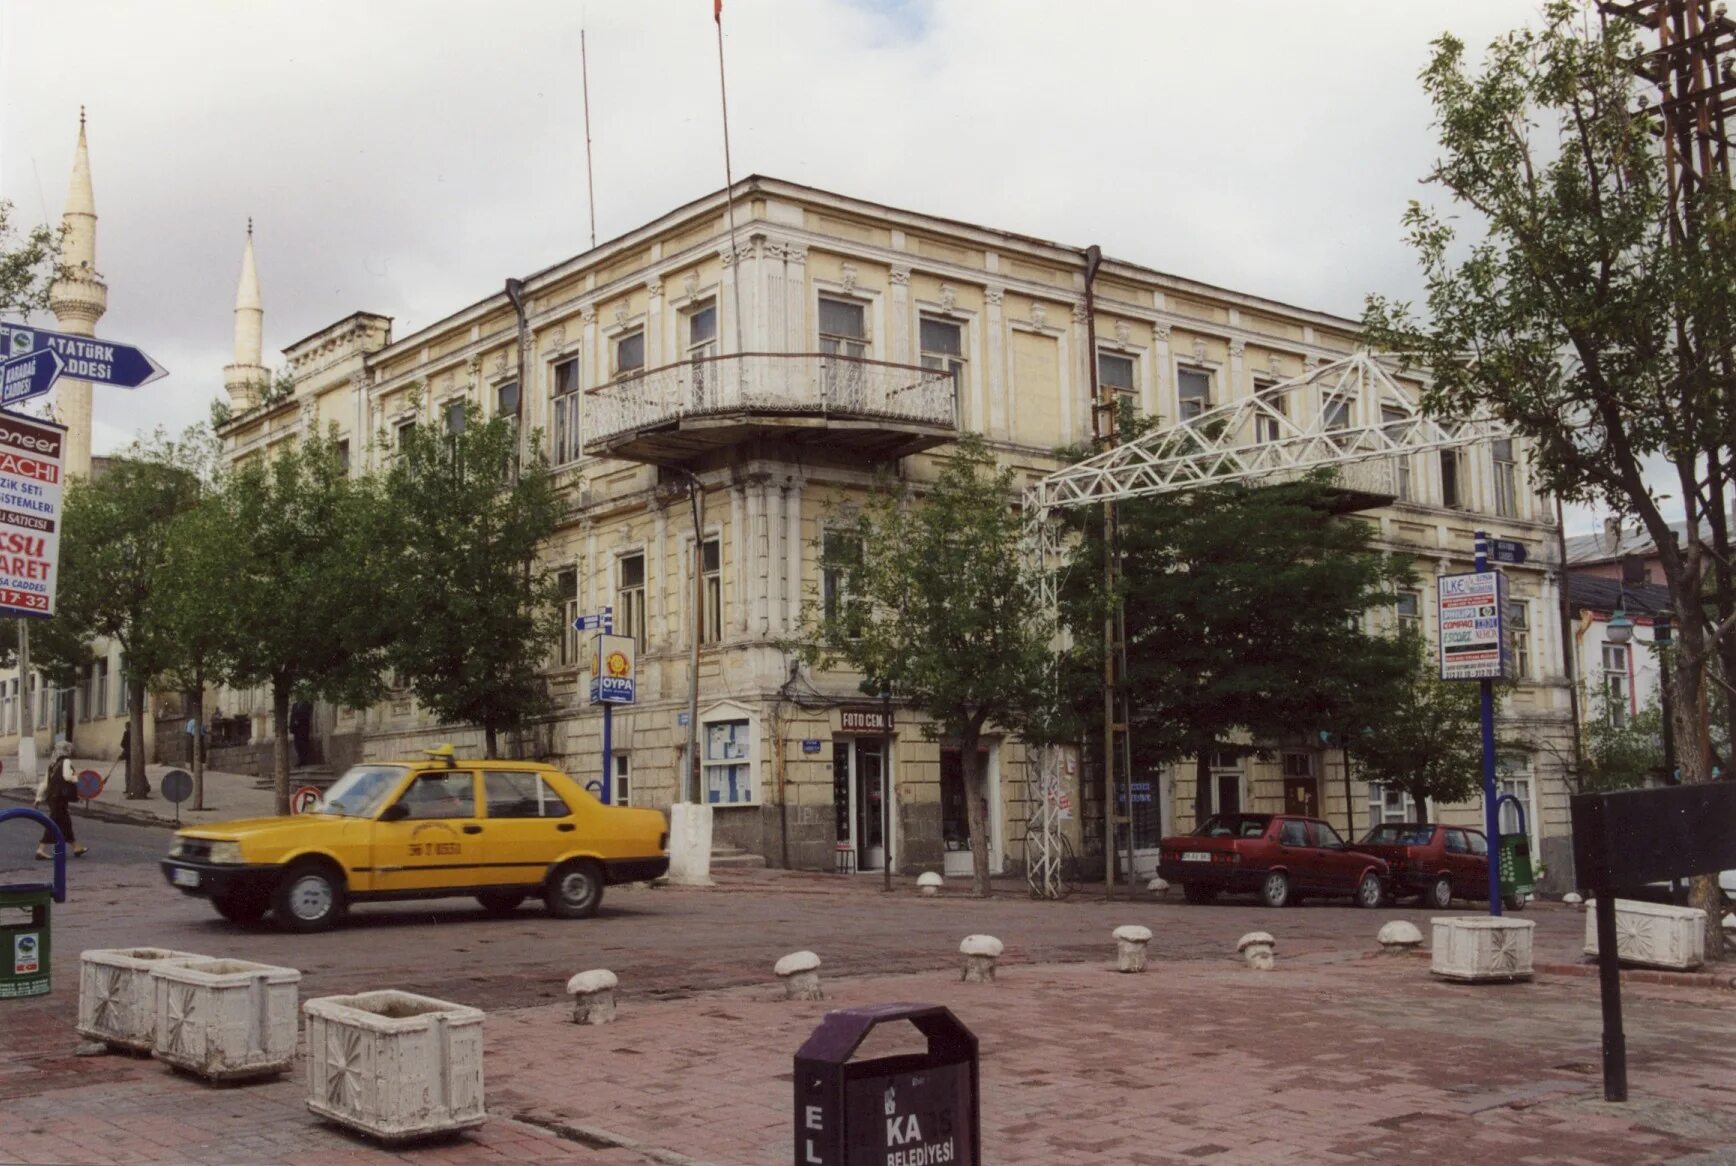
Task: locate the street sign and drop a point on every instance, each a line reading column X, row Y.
column 601, row 621
column 1507, row 550
column 90, row 784
column 613, row 673
column 86, row 358
column 810, row 744
column 304, row 799
column 177, row 785
column 30, row 454
column 1470, row 609
column 27, row 376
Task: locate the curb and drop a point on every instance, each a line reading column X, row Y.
column 1715, row 980
column 100, row 814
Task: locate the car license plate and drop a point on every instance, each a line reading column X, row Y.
column 1196, row 856
column 186, row 878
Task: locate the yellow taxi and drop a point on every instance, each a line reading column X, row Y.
column 442, row 826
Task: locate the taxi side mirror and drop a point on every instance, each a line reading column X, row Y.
column 396, row 812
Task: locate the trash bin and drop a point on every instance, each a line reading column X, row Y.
column 24, row 920
column 24, row 934
column 1515, row 869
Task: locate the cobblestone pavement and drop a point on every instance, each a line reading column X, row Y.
column 1333, row 1057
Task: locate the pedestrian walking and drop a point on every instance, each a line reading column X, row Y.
column 54, row 794
column 301, row 729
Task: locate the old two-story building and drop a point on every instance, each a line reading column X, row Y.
column 784, row 361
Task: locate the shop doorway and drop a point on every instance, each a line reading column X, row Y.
column 954, row 819
column 858, row 786
column 1301, row 787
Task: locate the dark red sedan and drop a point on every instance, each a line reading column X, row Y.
column 1437, row 863
column 1280, row 857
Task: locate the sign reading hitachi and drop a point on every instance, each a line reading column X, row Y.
column 30, row 490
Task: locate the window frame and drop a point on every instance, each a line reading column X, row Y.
column 1266, row 430
column 1617, row 684
column 1505, row 471
column 621, row 780
column 955, row 363
column 1412, row 620
column 566, row 431
column 1183, row 374
column 1128, row 392
column 622, row 370
column 1403, row 486
column 835, row 591
column 710, row 614
column 630, row 615
column 1518, row 623
column 568, row 652
column 1453, row 492
column 546, row 795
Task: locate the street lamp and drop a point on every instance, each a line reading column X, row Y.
column 1620, row 628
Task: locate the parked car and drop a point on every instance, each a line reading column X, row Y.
column 1435, row 862
column 499, row 830
column 1280, row 857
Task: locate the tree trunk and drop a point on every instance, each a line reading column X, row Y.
column 138, row 786
column 491, row 740
column 974, row 796
column 1422, row 804
column 280, row 744
column 198, row 753
column 1202, row 786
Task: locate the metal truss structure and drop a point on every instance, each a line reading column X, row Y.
column 1338, row 414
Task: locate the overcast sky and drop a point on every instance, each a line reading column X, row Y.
column 406, row 156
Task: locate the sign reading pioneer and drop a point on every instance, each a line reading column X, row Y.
column 30, row 491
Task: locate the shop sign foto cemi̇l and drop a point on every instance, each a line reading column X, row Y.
column 30, row 495
column 1473, row 641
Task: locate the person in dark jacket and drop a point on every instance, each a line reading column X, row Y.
column 300, row 729
column 55, row 795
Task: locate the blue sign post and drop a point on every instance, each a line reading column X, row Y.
column 86, row 358
column 29, row 375
column 1491, row 795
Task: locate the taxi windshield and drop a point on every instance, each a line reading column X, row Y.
column 360, row 792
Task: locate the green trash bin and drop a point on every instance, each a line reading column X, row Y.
column 1515, row 869
column 24, row 932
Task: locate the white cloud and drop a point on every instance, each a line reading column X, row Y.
column 406, row 157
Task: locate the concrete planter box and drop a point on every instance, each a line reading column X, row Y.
column 395, row 1065
column 1654, row 934
column 225, row 1020
column 114, row 994
column 1479, row 949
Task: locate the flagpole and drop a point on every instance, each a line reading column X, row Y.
column 728, row 177
column 585, row 87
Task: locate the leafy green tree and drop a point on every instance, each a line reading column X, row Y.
column 1244, row 614
column 115, row 538
column 196, row 611
column 473, row 610
column 941, row 605
column 1620, row 756
column 307, row 572
column 29, row 262
column 1587, row 309
column 1422, row 734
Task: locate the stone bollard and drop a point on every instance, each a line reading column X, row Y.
column 800, row 972
column 929, row 883
column 1257, row 947
column 1573, row 899
column 1399, row 938
column 1158, row 888
column 1130, row 941
column 980, row 953
column 593, row 996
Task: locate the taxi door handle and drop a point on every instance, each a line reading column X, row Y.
column 564, row 827
column 473, row 829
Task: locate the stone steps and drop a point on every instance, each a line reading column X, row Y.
column 735, row 857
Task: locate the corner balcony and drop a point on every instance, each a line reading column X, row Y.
column 682, row 412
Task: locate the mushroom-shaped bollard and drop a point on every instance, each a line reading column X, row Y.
column 1158, row 888
column 800, row 972
column 929, row 883
column 593, row 996
column 1130, row 941
column 1399, row 938
column 1573, row 899
column 980, row 953
column 1256, row 947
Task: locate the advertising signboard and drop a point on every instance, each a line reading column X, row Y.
column 30, row 491
column 614, row 677
column 1471, row 609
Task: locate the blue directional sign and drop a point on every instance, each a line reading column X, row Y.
column 602, row 621
column 87, row 359
column 1506, row 550
column 30, row 375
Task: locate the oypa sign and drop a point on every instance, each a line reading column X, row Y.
column 614, row 671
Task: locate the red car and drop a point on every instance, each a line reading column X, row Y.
column 1436, row 863
column 1281, row 857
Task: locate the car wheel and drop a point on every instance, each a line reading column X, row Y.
column 575, row 890
column 1514, row 902
column 1439, row 896
column 1195, row 893
column 1370, row 892
column 310, row 897
column 242, row 909
column 1275, row 891
column 500, row 902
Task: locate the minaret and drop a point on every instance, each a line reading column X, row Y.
column 247, row 378
column 78, row 300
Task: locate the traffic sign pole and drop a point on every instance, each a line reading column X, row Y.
column 1491, row 810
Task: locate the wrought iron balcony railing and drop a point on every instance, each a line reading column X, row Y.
column 710, row 400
